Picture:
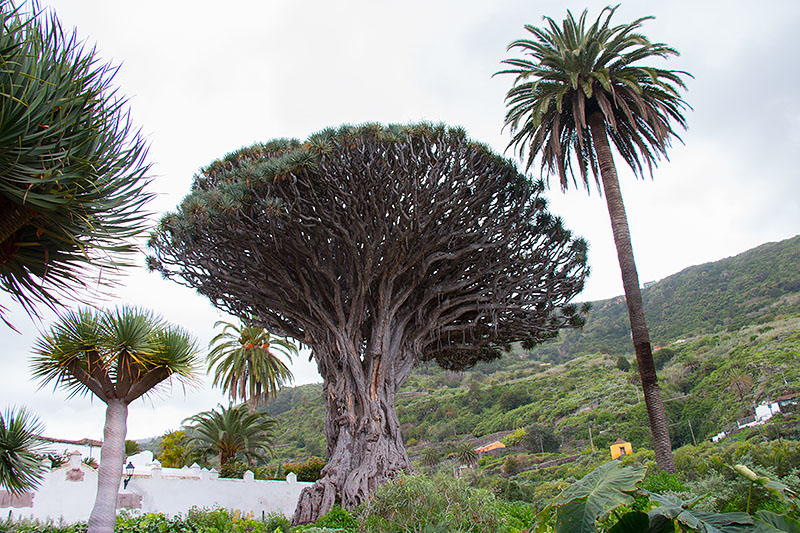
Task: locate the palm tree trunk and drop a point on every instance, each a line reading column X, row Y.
column 633, row 296
column 112, row 455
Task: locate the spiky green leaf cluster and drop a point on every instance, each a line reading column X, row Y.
column 116, row 354
column 230, row 432
column 572, row 71
column 20, row 467
column 246, row 363
column 72, row 169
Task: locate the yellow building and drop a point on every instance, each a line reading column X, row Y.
column 620, row 448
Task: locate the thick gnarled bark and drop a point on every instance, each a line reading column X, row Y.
column 112, row 454
column 633, row 296
column 364, row 443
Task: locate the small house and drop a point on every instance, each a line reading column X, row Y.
column 620, row 448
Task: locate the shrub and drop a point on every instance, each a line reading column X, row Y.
column 540, row 438
column 418, row 503
column 511, row 465
column 513, row 438
column 235, row 468
column 310, row 470
column 338, row 518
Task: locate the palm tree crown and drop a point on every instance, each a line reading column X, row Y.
column 230, row 432
column 572, row 72
column 116, row 355
column 246, row 364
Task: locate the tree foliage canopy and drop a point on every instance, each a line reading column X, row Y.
column 247, row 366
column 415, row 224
column 72, row 169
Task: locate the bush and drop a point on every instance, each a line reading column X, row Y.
column 540, row 438
column 310, row 470
column 513, row 438
column 418, row 503
column 235, row 468
column 338, row 518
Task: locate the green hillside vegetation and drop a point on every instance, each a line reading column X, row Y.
column 588, row 392
column 707, row 349
column 756, row 286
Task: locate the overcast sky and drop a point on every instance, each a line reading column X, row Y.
column 205, row 79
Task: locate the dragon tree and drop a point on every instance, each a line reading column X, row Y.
column 377, row 247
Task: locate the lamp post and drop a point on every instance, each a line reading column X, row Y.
column 128, row 474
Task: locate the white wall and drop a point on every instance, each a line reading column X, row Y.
column 171, row 491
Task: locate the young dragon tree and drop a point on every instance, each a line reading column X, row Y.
column 118, row 356
column 378, row 247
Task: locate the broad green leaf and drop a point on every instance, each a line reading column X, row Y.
column 769, row 522
column 674, row 508
column 633, row 522
column 594, row 496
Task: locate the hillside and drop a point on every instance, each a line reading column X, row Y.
column 750, row 288
column 738, row 314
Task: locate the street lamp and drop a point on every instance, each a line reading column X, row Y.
column 128, row 473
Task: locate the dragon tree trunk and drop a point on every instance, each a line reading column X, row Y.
column 364, row 444
column 112, row 455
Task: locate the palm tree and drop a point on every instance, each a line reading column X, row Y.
column 20, row 466
column 740, row 382
column 466, row 455
column 430, row 458
column 246, row 365
column 232, row 432
column 118, row 356
column 579, row 86
column 73, row 171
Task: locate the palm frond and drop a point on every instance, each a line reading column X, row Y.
column 73, row 168
column 571, row 71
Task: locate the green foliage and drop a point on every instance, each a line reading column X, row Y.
column 73, row 173
column 540, row 438
column 246, row 363
column 232, row 432
column 466, row 455
column 338, row 518
column 20, row 466
column 194, row 521
column 234, row 468
column 174, row 451
column 416, row 502
column 91, row 461
column 623, row 364
column 511, row 465
column 514, row 438
column 132, row 448
column 308, row 470
column 592, row 498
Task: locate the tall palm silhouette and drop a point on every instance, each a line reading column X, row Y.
column 578, row 86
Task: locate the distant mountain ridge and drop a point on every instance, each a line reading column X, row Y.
column 753, row 287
